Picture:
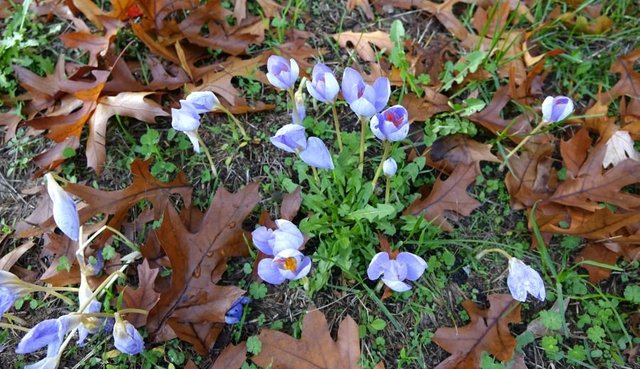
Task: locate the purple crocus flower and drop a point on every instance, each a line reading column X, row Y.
column 555, row 109
column 523, row 279
column 126, row 337
column 65, row 213
column 389, row 167
column 50, row 333
column 234, row 313
column 271, row 242
column 291, row 138
column 405, row 266
column 364, row 100
column 391, row 125
column 187, row 120
column 287, row 264
column 7, row 298
column 323, row 86
column 282, row 73
column 202, row 101
column 299, row 113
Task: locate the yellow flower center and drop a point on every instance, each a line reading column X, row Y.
column 290, row 264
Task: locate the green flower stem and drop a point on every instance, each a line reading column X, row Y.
column 363, row 132
column 292, row 97
column 203, row 146
column 49, row 290
column 535, row 130
column 336, row 122
column 315, row 174
column 105, row 227
column 235, row 121
column 111, row 315
column 387, row 190
column 385, row 154
column 497, row 250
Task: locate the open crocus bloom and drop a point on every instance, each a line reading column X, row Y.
column 187, row 120
column 65, row 213
column 364, row 100
column 555, row 109
column 270, row 242
column 126, row 337
column 202, row 101
column 523, row 279
column 291, row 138
column 391, row 125
column 287, row 264
column 406, row 266
column 282, row 73
column 323, row 86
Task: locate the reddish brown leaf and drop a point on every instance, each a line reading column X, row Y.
column 291, row 204
column 362, row 4
column 597, row 225
column 194, row 306
column 488, row 331
column 421, row 109
column 600, row 253
column 362, row 43
column 531, row 177
column 232, row 357
column 91, row 42
column 9, row 259
column 574, row 151
column 457, row 149
column 491, row 119
column 447, row 198
column 629, row 83
column 10, row 120
column 144, row 296
column 315, row 349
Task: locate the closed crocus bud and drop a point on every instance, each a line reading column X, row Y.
column 523, row 279
column 363, row 99
column 202, row 101
column 389, row 167
column 391, row 125
column 187, row 120
column 65, row 213
column 282, row 73
column 317, row 154
column 286, row 236
column 288, row 264
column 126, row 337
column 555, row 109
column 234, row 313
column 298, row 114
column 406, row 266
column 290, row 138
column 323, row 86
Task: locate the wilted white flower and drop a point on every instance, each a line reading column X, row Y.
column 619, row 148
column 523, row 279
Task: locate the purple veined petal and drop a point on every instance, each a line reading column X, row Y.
column 7, row 298
column 316, row 93
column 276, row 82
column 378, row 265
column 316, row 154
column 126, row 337
column 562, row 108
column 65, row 213
column 331, row 87
column 41, row 335
column 352, row 83
column 46, row 363
column 319, row 70
column 395, row 285
column 389, row 167
column 269, row 271
column 415, row 265
column 290, row 138
column 294, row 71
column 264, row 239
column 363, row 107
column 193, row 137
column 382, row 90
column 203, row 101
column 184, row 119
column 374, row 124
column 276, row 64
column 396, row 133
column 287, row 236
column 304, row 267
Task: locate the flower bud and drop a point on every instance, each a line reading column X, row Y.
column 389, row 167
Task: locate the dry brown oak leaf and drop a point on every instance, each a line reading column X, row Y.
column 314, row 350
column 194, row 306
column 488, row 331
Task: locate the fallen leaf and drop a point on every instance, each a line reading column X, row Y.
column 362, row 4
column 421, row 109
column 9, row 259
column 629, row 83
column 194, row 306
column 459, row 149
column 597, row 252
column 447, row 198
column 362, row 43
column 291, row 204
column 487, row 331
column 314, row 350
column 232, row 357
column 144, row 296
column 619, row 148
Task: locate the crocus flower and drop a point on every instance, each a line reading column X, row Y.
column 49, row 362
column 523, row 279
column 364, row 100
column 323, row 86
column 234, row 313
column 65, row 213
column 282, row 73
column 298, row 114
column 405, row 266
column 126, row 337
column 389, row 167
column 187, row 120
column 291, row 138
column 202, row 101
column 555, row 109
column 271, row 242
column 618, row 148
column 391, row 125
column 287, row 264
column 50, row 333
column 7, row 298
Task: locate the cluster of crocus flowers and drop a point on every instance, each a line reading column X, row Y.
column 394, row 271
column 283, row 74
column 286, row 262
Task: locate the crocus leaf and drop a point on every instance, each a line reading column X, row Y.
column 370, row 213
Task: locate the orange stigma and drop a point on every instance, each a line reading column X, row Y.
column 290, row 264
